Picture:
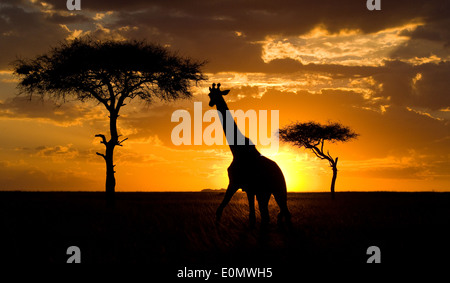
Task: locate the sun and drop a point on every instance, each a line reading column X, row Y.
column 291, row 165
column 295, row 179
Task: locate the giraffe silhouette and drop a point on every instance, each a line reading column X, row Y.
column 250, row 171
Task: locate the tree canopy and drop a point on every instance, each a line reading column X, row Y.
column 96, row 70
column 313, row 135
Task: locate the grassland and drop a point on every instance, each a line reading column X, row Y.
column 179, row 228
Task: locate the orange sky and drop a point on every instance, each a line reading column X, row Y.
column 388, row 81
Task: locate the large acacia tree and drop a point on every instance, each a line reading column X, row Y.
column 312, row 135
column 108, row 72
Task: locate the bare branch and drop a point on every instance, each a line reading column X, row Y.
column 328, row 154
column 318, row 153
column 119, row 143
column 330, row 162
column 102, row 137
column 101, row 154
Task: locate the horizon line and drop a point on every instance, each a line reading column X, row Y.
column 220, row 191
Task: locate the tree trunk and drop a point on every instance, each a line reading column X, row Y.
column 110, row 185
column 333, row 181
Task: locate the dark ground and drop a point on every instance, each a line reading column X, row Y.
column 178, row 229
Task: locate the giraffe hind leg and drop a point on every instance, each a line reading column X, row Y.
column 281, row 199
column 263, row 203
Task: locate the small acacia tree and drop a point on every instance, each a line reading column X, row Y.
column 312, row 135
column 108, row 72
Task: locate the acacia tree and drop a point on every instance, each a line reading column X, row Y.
column 109, row 73
column 312, row 135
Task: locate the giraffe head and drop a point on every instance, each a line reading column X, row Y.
column 216, row 95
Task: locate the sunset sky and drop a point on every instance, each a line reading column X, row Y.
column 385, row 74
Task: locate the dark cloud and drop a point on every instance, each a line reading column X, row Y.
column 431, row 90
column 424, row 86
column 25, row 32
column 59, row 18
column 207, row 29
column 262, row 17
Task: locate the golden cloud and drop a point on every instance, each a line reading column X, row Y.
column 347, row 47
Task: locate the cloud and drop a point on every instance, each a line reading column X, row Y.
column 214, row 30
column 57, row 153
column 348, row 47
column 65, row 17
column 67, row 114
column 382, row 133
column 25, row 32
column 284, row 15
column 384, row 129
column 321, row 33
column 422, row 86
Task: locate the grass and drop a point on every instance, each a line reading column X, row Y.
column 179, row 228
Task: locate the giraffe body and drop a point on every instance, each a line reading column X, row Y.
column 255, row 174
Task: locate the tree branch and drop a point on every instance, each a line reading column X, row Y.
column 318, row 153
column 120, row 101
column 328, row 153
column 99, row 98
column 102, row 137
column 101, row 154
column 112, row 95
column 119, row 143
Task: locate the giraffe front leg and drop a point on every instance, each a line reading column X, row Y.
column 228, row 195
column 251, row 205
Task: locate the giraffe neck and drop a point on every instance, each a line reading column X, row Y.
column 235, row 140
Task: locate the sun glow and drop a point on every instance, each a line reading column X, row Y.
column 294, row 167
